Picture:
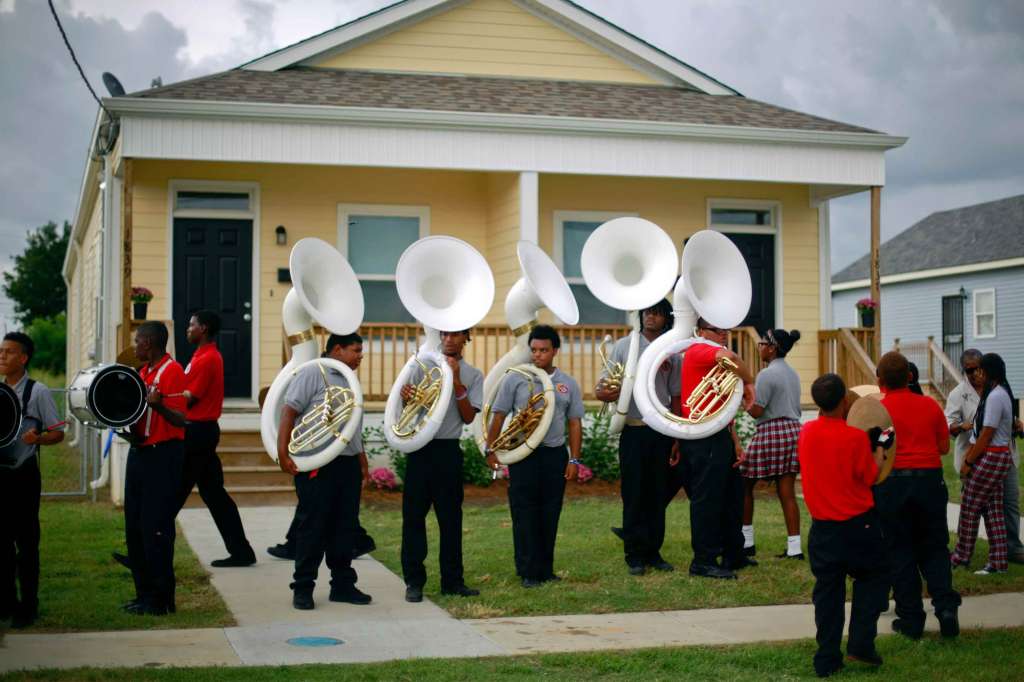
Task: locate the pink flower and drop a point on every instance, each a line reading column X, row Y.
column 584, row 473
column 383, row 479
column 866, row 304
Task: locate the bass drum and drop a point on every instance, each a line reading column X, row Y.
column 107, row 395
column 10, row 415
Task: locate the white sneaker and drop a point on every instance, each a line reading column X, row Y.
column 989, row 570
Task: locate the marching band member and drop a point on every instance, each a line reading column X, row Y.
column 433, row 477
column 985, row 468
column 152, row 488
column 839, row 466
column 537, row 483
column 204, row 398
column 644, row 453
column 21, row 485
column 912, row 504
column 772, row 453
column 328, row 509
column 716, row 488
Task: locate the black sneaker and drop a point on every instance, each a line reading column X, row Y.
column 144, row 609
column 461, row 591
column 530, row 583
column 121, row 559
column 350, row 595
column 24, row 617
column 637, row 569
column 750, row 551
column 870, row 657
column 234, row 561
column 662, row 565
column 413, row 595
column 303, row 601
column 551, row 579
column 787, row 555
column 711, row 571
column 366, row 548
column 739, row 564
column 282, row 551
column 617, row 532
column 949, row 624
column 829, row 672
column 903, row 627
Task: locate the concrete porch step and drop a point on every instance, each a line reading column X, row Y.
column 253, row 496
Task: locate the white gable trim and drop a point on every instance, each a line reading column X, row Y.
column 935, row 272
column 584, row 25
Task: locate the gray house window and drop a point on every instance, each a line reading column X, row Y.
column 984, row 313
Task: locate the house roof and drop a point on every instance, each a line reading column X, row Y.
column 982, row 233
column 479, row 94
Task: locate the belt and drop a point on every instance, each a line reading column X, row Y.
column 635, row 422
column 916, row 472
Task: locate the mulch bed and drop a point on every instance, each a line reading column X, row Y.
column 497, row 492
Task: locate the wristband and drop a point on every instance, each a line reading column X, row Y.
column 460, row 396
column 573, row 460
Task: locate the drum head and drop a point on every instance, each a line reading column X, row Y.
column 867, row 413
column 10, row 415
column 117, row 396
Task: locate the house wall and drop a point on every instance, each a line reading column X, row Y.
column 85, row 287
column 304, row 199
column 503, row 233
column 680, row 207
column 487, row 37
column 912, row 311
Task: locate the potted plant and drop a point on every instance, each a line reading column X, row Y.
column 866, row 308
column 141, row 296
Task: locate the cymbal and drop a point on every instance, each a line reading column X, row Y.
column 865, row 414
column 867, row 390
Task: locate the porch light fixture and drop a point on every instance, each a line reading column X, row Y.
column 963, row 293
column 282, row 236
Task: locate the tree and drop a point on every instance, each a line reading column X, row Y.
column 36, row 286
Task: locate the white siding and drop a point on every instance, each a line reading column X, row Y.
column 912, row 311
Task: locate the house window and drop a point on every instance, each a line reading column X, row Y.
column 984, row 313
column 211, row 201
column 571, row 231
column 373, row 238
column 741, row 216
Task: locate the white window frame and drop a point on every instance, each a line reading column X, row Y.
column 560, row 217
column 974, row 312
column 775, row 229
column 253, row 190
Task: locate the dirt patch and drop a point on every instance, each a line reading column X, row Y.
column 496, row 493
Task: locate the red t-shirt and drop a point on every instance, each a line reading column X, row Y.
column 205, row 381
column 921, row 429
column 836, row 469
column 698, row 360
column 169, row 377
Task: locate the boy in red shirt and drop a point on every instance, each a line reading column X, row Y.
column 838, row 466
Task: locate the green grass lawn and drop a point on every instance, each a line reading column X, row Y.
column 81, row 588
column 952, row 476
column 594, row 577
column 976, row 655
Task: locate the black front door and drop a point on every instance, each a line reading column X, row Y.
column 952, row 327
column 213, row 271
column 759, row 252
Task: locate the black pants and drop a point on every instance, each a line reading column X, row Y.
column 643, row 461
column 913, row 512
column 151, row 494
column 535, row 491
column 203, row 468
column 19, row 536
column 362, row 543
column 716, row 498
column 677, row 480
column 433, row 477
column 326, row 523
column 837, row 549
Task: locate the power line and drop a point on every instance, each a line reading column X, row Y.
column 71, row 51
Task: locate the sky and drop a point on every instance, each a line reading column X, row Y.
column 948, row 74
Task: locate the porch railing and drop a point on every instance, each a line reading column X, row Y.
column 934, row 366
column 845, row 352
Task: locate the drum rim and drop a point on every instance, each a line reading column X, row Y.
column 90, row 400
column 8, row 393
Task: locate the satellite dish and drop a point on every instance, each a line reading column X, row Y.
column 114, row 86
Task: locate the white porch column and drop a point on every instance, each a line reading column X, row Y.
column 529, row 193
column 824, row 266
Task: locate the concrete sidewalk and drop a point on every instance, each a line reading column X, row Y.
column 271, row 632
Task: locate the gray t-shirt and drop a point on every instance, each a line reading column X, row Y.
column 473, row 380
column 961, row 406
column 999, row 416
column 666, row 384
column 777, row 389
column 515, row 393
column 306, row 392
column 41, row 413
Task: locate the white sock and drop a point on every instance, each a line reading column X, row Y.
column 792, row 545
column 748, row 536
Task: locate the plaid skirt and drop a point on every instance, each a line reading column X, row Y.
column 772, row 450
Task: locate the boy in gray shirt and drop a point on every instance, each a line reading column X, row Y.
column 537, row 483
column 20, row 483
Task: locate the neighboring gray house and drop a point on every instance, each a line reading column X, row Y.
column 957, row 275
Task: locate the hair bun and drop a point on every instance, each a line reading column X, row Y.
column 794, row 334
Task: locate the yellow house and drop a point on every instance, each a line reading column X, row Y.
column 489, row 120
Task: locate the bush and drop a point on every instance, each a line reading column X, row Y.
column 746, row 426
column 474, row 467
column 376, row 434
column 50, row 336
column 600, row 448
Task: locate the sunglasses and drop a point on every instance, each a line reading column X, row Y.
column 765, row 343
column 716, row 330
column 971, row 370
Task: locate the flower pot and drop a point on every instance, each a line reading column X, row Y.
column 139, row 311
column 867, row 318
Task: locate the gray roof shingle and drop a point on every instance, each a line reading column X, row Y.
column 351, row 88
column 960, row 236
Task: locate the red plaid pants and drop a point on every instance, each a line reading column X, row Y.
column 983, row 496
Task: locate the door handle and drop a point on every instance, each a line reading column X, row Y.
column 247, row 317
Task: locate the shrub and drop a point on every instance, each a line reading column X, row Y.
column 474, row 467
column 600, row 448
column 745, row 427
column 376, row 434
column 584, row 473
column 50, row 337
